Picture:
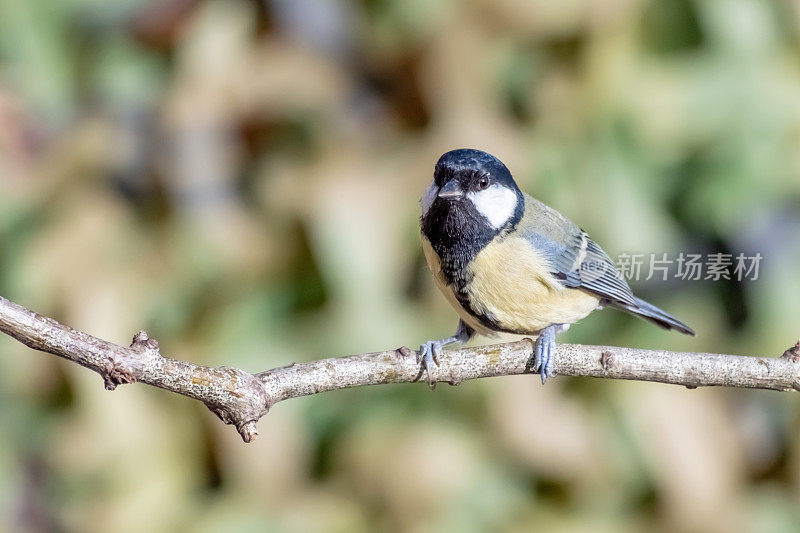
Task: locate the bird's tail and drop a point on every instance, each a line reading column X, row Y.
column 657, row 316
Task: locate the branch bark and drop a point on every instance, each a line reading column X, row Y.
column 240, row 398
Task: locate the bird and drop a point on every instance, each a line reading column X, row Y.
column 508, row 263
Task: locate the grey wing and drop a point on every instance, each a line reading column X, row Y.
column 584, row 265
column 575, row 259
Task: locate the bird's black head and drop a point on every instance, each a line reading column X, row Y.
column 469, row 166
column 472, row 199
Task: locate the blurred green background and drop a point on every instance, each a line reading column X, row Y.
column 241, row 179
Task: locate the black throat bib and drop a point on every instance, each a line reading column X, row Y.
column 457, row 232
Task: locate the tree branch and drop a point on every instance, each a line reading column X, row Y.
column 240, row 398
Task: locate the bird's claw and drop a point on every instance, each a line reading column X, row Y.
column 543, row 353
column 428, row 356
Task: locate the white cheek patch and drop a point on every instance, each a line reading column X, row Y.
column 427, row 199
column 497, row 204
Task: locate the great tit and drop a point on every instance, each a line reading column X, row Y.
column 508, row 263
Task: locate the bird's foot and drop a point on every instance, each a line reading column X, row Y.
column 428, row 355
column 543, row 352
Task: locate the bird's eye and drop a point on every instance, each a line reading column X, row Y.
column 483, row 183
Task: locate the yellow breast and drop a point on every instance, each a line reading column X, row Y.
column 510, row 281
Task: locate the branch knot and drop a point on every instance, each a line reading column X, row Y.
column 237, row 406
column 606, row 359
column 142, row 343
column 793, row 353
column 116, row 374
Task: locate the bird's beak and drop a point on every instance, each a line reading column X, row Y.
column 451, row 189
